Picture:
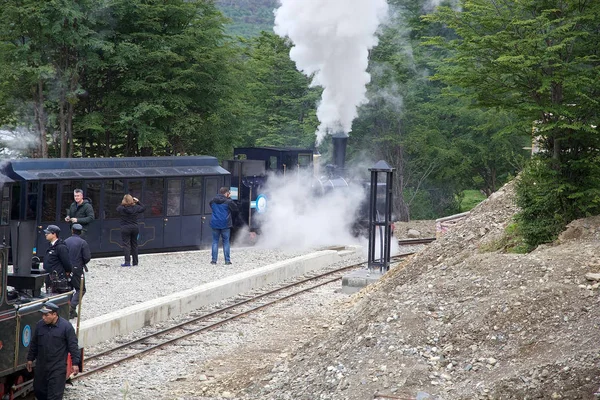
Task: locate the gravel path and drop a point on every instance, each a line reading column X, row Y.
column 196, row 367
column 111, row 287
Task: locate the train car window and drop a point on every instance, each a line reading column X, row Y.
column 114, row 189
column 290, row 161
column 304, row 160
column 153, row 197
column 16, row 202
column 92, row 192
column 32, row 196
column 211, row 190
column 173, row 197
column 192, row 196
column 49, row 202
column 66, row 196
column 134, row 188
column 5, row 216
column 273, row 163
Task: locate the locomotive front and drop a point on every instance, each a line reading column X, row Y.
column 21, row 299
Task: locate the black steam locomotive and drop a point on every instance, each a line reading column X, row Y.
column 20, row 300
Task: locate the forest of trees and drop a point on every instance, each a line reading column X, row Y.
column 455, row 97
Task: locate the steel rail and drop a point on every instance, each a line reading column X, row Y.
column 216, row 313
column 408, row 242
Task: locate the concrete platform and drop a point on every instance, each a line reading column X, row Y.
column 129, row 319
column 356, row 280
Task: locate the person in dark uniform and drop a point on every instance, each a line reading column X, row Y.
column 56, row 261
column 222, row 220
column 81, row 211
column 79, row 255
column 53, row 339
column 129, row 209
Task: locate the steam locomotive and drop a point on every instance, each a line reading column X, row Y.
column 20, row 300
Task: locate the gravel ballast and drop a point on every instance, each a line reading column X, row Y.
column 111, row 287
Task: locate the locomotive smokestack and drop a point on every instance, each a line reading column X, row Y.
column 340, row 141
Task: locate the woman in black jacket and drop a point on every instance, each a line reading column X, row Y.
column 129, row 209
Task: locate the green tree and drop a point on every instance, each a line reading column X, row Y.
column 538, row 60
column 439, row 143
column 280, row 106
column 44, row 49
column 164, row 83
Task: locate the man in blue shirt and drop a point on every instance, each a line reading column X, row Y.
column 222, row 221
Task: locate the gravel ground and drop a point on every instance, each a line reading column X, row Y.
column 111, row 287
column 197, row 366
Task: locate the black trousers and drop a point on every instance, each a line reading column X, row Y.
column 51, row 385
column 129, row 236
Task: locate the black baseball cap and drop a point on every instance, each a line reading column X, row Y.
column 49, row 307
column 52, row 229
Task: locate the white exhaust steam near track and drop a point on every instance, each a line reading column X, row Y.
column 331, row 42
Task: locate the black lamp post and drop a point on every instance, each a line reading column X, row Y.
column 380, row 216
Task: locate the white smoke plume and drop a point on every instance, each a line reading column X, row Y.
column 17, row 142
column 298, row 217
column 332, row 40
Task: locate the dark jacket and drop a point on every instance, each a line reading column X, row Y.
column 222, row 210
column 57, row 258
column 84, row 213
column 79, row 255
column 50, row 345
column 79, row 251
column 129, row 214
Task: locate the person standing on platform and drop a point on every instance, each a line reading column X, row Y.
column 56, row 261
column 81, row 211
column 54, row 338
column 129, row 209
column 223, row 209
column 79, row 255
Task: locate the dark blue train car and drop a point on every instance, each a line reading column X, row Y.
column 175, row 190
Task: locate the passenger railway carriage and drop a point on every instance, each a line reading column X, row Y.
column 175, row 190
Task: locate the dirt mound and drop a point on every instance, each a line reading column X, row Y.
column 455, row 322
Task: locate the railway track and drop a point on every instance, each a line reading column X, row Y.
column 196, row 323
column 408, row 242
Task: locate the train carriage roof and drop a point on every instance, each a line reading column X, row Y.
column 270, row 149
column 102, row 168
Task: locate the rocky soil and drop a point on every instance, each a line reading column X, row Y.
column 455, row 322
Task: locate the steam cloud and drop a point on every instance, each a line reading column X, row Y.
column 332, row 40
column 298, row 219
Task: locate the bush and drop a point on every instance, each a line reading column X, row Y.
column 551, row 197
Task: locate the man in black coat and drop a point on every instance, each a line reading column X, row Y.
column 53, row 339
column 79, row 255
column 56, row 261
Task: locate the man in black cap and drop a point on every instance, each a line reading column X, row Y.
column 56, row 261
column 53, row 339
column 79, row 255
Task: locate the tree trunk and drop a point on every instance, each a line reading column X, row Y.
column 70, row 112
column 40, row 117
column 63, row 126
